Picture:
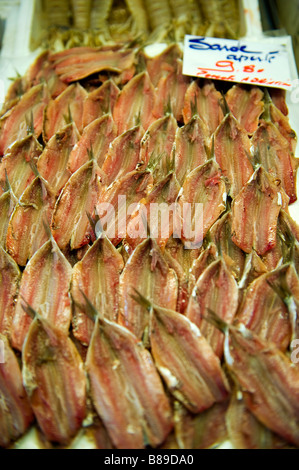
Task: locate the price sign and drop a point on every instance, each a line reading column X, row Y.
column 241, row 61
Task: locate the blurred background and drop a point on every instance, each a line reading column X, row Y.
column 61, row 24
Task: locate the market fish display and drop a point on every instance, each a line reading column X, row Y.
column 111, row 301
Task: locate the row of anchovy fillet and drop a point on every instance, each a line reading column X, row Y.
column 140, row 342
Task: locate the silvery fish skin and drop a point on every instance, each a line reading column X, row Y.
column 55, row 382
column 232, row 153
column 246, row 104
column 25, row 232
column 45, row 286
column 10, row 277
column 134, row 105
column 67, row 107
column 52, row 165
column 16, row 165
column 148, row 272
column 99, row 102
column 255, row 212
column 70, row 224
column 205, row 101
column 95, row 139
column 97, row 275
column 15, row 123
column 126, row 389
column 15, row 411
column 186, row 361
column 215, row 283
column 268, row 379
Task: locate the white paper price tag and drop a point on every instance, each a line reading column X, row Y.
column 241, row 61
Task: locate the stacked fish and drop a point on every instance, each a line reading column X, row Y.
column 141, row 337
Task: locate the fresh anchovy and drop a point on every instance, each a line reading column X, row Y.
column 99, row 102
column 278, row 97
column 186, row 361
column 26, row 116
column 203, row 430
column 255, row 211
column 245, row 431
column 163, row 63
column 17, row 163
column 157, row 144
column 97, row 275
column 158, row 208
column 232, row 153
column 66, row 108
column 52, row 165
column 10, row 277
column 8, row 202
column 78, row 63
column 180, row 260
column 44, row 285
column 170, row 93
column 202, row 201
column 148, row 272
column 15, row 412
column 221, row 235
column 123, row 154
column 134, row 105
column 14, row 93
column 191, row 147
column 283, row 124
column 117, row 202
column 213, row 285
column 287, row 244
column 246, row 104
column 95, row 139
column 272, row 151
column 55, row 382
column 70, row 224
column 98, row 433
column 205, row 101
column 203, row 260
column 25, row 232
column 42, row 71
column 264, row 312
column 126, row 389
column 253, row 268
column 268, row 379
